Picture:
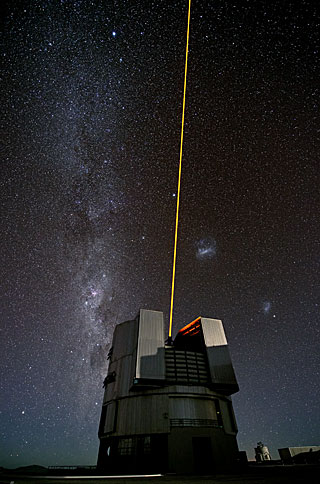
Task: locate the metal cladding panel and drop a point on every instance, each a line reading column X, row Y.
column 124, row 339
column 221, row 369
column 213, row 332
column 150, row 362
column 109, row 423
column 122, row 362
column 227, row 414
column 192, row 408
column 123, row 377
column 143, row 415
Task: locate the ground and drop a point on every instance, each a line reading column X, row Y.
column 252, row 475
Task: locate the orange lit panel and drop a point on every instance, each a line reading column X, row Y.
column 191, row 328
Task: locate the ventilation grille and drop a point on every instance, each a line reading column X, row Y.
column 188, row 367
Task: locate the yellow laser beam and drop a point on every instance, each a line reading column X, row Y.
column 179, row 176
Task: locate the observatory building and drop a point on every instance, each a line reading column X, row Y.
column 167, row 408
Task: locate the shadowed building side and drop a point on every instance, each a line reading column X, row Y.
column 168, row 408
column 300, row 455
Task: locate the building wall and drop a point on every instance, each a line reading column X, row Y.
column 182, row 414
column 143, row 414
column 288, row 453
column 192, row 408
column 216, row 451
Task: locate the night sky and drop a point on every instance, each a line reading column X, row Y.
column 91, row 101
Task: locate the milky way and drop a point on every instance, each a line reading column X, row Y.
column 91, row 96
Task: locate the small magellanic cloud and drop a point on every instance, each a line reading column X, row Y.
column 266, row 307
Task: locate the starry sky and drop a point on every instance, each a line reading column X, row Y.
column 91, row 98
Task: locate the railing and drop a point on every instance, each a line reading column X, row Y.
column 194, row 422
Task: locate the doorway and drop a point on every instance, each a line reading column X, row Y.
column 202, row 455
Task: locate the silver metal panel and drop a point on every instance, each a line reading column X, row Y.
column 124, row 339
column 192, row 408
column 147, row 414
column 213, row 332
column 123, row 378
column 125, row 375
column 220, row 364
column 150, row 362
column 122, row 362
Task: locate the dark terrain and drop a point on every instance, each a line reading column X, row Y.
column 253, row 474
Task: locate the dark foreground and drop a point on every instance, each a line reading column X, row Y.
column 304, row 474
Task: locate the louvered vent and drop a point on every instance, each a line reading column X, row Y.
column 187, row 367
